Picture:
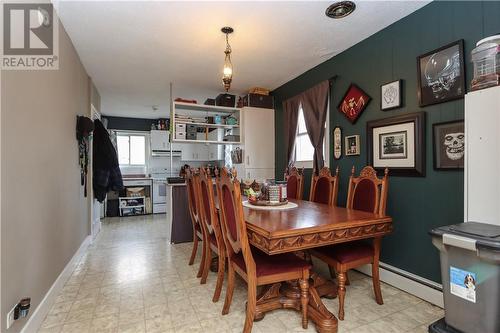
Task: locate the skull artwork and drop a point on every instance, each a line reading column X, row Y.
column 441, row 72
column 455, row 145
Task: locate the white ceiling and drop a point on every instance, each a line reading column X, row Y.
column 133, row 50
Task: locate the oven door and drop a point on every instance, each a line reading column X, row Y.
column 159, row 192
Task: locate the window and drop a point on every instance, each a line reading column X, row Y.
column 131, row 149
column 304, row 150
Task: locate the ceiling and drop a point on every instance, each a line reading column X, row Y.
column 134, row 49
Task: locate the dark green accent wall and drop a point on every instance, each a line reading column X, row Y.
column 416, row 204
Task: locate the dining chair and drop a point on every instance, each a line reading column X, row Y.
column 368, row 193
column 294, row 183
column 253, row 265
column 213, row 241
column 193, row 206
column 325, row 187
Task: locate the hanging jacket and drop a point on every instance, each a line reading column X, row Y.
column 106, row 170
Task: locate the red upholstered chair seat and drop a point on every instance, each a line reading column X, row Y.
column 275, row 264
column 347, row 252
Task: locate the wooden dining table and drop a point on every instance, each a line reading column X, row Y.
column 307, row 226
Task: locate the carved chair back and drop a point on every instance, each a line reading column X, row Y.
column 208, row 211
column 233, row 222
column 367, row 192
column 193, row 196
column 294, row 183
column 325, row 187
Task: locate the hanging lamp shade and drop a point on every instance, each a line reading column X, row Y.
column 227, row 72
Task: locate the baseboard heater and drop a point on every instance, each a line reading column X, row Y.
column 423, row 288
column 413, row 277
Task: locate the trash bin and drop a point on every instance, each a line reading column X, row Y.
column 470, row 271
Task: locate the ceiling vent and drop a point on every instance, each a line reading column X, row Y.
column 340, row 9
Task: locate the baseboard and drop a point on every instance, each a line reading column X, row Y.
column 36, row 319
column 425, row 289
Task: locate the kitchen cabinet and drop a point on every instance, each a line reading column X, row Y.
column 160, row 140
column 259, row 174
column 258, row 133
column 258, row 161
column 216, row 152
column 194, row 151
column 482, row 156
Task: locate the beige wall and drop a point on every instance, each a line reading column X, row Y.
column 44, row 213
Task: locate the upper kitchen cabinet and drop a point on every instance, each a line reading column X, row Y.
column 195, row 152
column 160, row 141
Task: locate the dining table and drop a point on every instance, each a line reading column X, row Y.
column 307, row 226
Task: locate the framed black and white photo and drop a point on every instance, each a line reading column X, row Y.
column 393, row 145
column 390, row 95
column 352, row 146
column 449, row 145
column 397, row 143
column 441, row 75
column 337, row 142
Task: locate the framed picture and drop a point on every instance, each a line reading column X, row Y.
column 352, row 146
column 441, row 76
column 353, row 103
column 390, row 95
column 337, row 142
column 448, row 140
column 393, row 145
column 397, row 143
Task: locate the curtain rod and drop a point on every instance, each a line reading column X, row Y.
column 332, row 79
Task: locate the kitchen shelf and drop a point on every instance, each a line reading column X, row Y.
column 197, row 110
column 207, row 125
column 206, row 108
column 139, row 207
column 207, row 141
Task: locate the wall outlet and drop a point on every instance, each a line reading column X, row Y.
column 10, row 317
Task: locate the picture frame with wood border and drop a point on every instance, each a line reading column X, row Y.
column 412, row 163
column 352, row 145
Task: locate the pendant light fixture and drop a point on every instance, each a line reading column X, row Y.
column 227, row 73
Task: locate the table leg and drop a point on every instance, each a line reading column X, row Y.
column 325, row 287
column 287, row 296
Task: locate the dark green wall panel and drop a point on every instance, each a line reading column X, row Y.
column 416, row 204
